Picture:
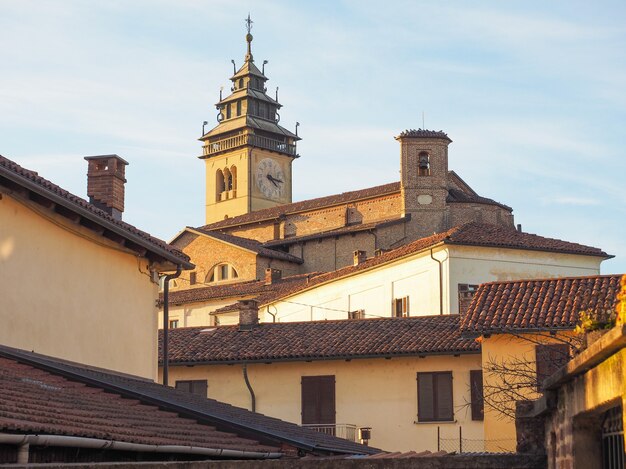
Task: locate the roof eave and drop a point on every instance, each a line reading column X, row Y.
column 327, row 358
column 83, row 212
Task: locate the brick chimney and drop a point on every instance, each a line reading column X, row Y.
column 465, row 299
column 248, row 314
column 359, row 257
column 105, row 183
column 272, row 275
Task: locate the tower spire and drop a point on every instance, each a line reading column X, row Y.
column 249, row 38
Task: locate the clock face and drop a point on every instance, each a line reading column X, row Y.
column 270, row 178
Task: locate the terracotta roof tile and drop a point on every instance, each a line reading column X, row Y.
column 454, row 196
column 208, row 412
column 235, row 290
column 423, row 133
column 22, row 176
column 252, row 245
column 37, row 401
column 311, row 204
column 540, row 304
column 470, row 234
column 319, row 340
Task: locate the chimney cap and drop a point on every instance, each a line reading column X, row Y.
column 106, row 157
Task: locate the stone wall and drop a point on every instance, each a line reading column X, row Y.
column 469, row 461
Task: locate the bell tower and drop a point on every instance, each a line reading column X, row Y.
column 248, row 155
column 424, row 181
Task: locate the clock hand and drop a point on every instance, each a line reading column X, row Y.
column 272, row 180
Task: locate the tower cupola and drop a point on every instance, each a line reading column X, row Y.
column 248, row 144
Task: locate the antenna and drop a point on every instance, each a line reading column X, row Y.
column 297, row 125
column 232, row 61
column 221, row 89
column 423, row 122
column 264, row 63
column 277, row 94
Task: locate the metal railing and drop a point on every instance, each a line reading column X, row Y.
column 346, row 431
column 249, row 139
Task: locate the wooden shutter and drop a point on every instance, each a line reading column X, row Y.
column 443, row 396
column 318, row 399
column 476, row 393
column 183, row 385
column 434, row 397
column 425, row 397
column 549, row 358
column 199, row 387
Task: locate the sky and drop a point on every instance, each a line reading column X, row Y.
column 532, row 93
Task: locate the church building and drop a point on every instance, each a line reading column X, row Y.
column 256, row 237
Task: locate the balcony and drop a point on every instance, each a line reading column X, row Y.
column 249, row 139
column 347, row 431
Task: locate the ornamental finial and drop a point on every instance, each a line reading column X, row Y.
column 249, row 38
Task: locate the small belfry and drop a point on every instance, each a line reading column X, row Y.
column 248, row 155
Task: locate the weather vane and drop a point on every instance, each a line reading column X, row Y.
column 249, row 23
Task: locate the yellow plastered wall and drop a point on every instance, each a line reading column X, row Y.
column 376, row 393
column 66, row 295
column 476, row 265
column 506, row 348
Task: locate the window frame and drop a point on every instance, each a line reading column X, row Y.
column 404, row 310
column 192, row 385
column 313, row 387
column 436, row 396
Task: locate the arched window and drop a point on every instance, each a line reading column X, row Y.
column 221, row 272
column 239, row 107
column 233, row 174
column 219, row 183
column 228, row 180
column 240, row 83
column 228, row 114
column 423, row 166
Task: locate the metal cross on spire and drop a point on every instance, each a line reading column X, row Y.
column 249, row 23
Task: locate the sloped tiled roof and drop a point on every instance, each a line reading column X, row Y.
column 320, row 340
column 470, row 234
column 235, row 290
column 311, row 204
column 540, row 304
column 33, row 182
column 38, row 401
column 223, row 416
column 252, row 245
column 454, row 196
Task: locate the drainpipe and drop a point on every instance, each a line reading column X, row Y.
column 166, row 320
column 245, row 378
column 22, row 453
column 440, row 280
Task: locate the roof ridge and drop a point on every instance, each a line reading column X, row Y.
column 551, row 279
column 75, row 202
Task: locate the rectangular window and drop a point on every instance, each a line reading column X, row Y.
column 239, row 107
column 434, row 397
column 401, row 307
column 228, row 114
column 173, row 323
column 476, row 394
column 549, row 358
column 318, row 400
column 195, row 386
column 192, row 278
